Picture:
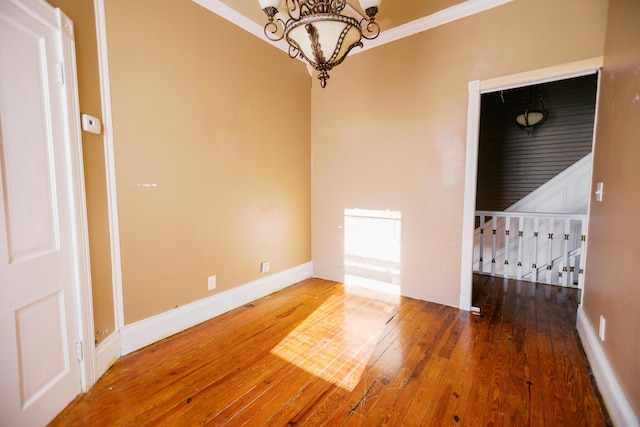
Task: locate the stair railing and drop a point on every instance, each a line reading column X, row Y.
column 540, row 247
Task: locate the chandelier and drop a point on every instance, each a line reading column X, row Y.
column 532, row 116
column 317, row 31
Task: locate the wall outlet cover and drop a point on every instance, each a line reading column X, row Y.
column 265, row 266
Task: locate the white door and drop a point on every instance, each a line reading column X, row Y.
column 39, row 371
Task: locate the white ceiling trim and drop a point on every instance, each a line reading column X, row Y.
column 445, row 16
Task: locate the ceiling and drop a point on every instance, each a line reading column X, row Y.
column 392, row 13
column 397, row 18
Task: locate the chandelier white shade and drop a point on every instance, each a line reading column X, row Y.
column 269, row 3
column 366, row 4
column 317, row 31
column 531, row 117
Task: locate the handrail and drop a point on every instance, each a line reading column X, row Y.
column 555, row 261
column 512, row 214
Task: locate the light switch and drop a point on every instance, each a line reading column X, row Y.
column 599, row 191
column 91, row 124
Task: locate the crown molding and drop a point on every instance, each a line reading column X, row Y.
column 445, row 16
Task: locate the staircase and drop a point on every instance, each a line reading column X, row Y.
column 541, row 237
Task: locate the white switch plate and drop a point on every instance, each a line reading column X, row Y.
column 265, row 266
column 599, row 191
column 91, row 124
column 601, row 329
column 211, row 283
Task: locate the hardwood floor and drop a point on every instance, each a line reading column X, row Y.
column 320, row 353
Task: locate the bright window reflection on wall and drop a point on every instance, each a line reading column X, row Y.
column 372, row 242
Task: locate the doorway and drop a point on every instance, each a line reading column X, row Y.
column 476, row 89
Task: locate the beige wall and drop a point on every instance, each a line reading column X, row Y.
column 389, row 130
column 611, row 282
column 214, row 127
column 82, row 14
column 220, row 122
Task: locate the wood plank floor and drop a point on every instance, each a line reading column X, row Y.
column 320, row 353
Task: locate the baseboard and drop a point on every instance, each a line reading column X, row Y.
column 150, row 330
column 107, row 352
column 617, row 403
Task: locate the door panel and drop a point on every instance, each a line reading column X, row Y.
column 38, row 370
column 27, row 179
column 41, row 325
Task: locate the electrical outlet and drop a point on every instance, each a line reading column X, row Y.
column 265, row 266
column 211, row 283
column 601, row 329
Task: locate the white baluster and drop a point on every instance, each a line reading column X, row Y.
column 507, row 228
column 494, row 228
column 534, row 264
column 552, row 225
column 480, row 264
column 572, row 270
column 583, row 245
column 563, row 270
column 520, row 239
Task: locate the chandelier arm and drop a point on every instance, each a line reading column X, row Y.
column 293, row 51
column 274, row 30
column 294, row 9
column 370, row 29
column 541, row 103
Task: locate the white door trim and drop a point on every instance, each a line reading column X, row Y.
column 110, row 349
column 84, row 302
column 476, row 89
column 469, row 204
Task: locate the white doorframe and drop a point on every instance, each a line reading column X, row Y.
column 476, row 89
column 110, row 349
column 84, row 301
column 469, row 205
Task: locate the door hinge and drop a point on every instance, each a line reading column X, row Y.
column 79, row 351
column 60, row 73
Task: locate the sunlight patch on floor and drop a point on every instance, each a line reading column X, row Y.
column 336, row 341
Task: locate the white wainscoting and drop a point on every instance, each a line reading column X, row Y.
column 152, row 329
column 619, row 407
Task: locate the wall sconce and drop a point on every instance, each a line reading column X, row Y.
column 531, row 117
